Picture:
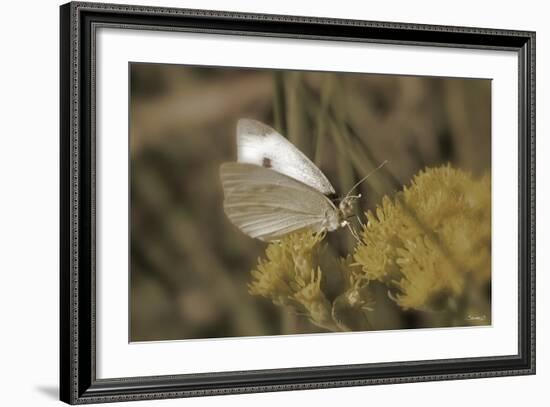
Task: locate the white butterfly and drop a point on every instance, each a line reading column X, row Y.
column 274, row 189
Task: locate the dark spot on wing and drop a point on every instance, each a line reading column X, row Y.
column 266, row 162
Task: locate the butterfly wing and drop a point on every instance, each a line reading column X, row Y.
column 261, row 145
column 266, row 205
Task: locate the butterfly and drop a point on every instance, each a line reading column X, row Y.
column 274, row 189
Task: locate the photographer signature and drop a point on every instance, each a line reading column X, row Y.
column 471, row 317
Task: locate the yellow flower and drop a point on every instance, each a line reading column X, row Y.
column 290, row 277
column 312, row 298
column 355, row 293
column 426, row 273
column 348, row 309
column 431, row 239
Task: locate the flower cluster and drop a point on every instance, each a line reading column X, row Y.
column 290, row 276
column 429, row 245
column 431, row 240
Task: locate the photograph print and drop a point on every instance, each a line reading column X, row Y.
column 277, row 202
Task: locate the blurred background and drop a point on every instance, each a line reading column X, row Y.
column 189, row 265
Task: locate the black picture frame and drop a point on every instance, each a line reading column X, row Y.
column 78, row 382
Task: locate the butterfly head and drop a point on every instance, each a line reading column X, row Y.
column 347, row 206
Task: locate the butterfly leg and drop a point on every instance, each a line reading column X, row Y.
column 353, row 232
column 360, row 222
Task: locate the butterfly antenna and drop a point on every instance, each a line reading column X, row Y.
column 365, row 177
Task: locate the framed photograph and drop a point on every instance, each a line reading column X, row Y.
column 255, row 203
